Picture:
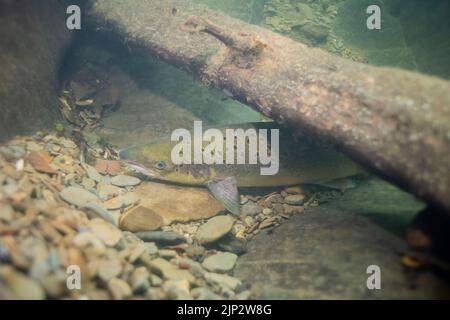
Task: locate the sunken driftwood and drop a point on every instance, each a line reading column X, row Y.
column 394, row 122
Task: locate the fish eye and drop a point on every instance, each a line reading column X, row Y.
column 160, row 165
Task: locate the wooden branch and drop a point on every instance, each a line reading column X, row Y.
column 396, row 123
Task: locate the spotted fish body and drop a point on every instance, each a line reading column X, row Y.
column 301, row 161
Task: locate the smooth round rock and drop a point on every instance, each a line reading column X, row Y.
column 250, row 209
column 296, row 199
column 125, row 181
column 220, row 262
column 140, row 219
column 214, row 229
column 77, row 196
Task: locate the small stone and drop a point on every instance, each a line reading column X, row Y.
column 109, row 234
column 125, row 181
column 137, row 252
column 250, row 209
column 167, row 253
column 101, row 212
column 119, row 289
column 155, row 280
column 202, row 293
column 244, row 295
column 296, row 199
column 288, row 209
column 77, row 196
column 6, row 213
column 220, row 262
column 87, row 183
column 33, row 146
column 139, row 280
column 294, row 190
column 233, row 244
column 55, row 284
column 108, row 269
column 214, row 229
column 19, row 286
column 140, row 219
column 195, row 252
column 223, row 279
column 151, row 248
column 169, row 270
column 267, row 211
column 107, row 191
column 121, row 201
column 92, row 173
column 244, row 200
column 278, row 208
column 266, row 223
column 177, row 289
column 66, row 143
column 163, row 237
column 110, row 167
column 40, row 161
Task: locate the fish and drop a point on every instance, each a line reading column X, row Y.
column 301, row 161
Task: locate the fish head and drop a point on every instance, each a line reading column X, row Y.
column 154, row 161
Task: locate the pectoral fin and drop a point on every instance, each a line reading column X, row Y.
column 226, row 192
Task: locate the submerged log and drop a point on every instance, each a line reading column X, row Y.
column 394, row 122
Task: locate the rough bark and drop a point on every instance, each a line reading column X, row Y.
column 396, row 123
column 33, row 40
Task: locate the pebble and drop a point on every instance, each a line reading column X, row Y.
column 92, row 173
column 88, row 184
column 278, row 208
column 214, row 229
column 244, row 295
column 170, row 271
column 195, row 252
column 223, row 279
column 288, row 209
column 177, row 289
column 101, row 212
column 232, row 244
column 125, row 181
column 294, row 190
column 296, row 199
column 6, row 213
column 120, row 202
column 140, row 219
column 163, row 237
column 250, row 209
column 119, row 289
column 267, row 211
column 220, row 262
column 139, row 280
column 109, row 234
column 107, row 191
column 202, row 293
column 155, row 280
column 19, row 286
column 167, row 253
column 266, row 223
column 77, row 196
column 108, row 269
column 243, row 199
column 151, row 248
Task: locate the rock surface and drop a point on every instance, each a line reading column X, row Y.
column 34, row 37
column 324, row 254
